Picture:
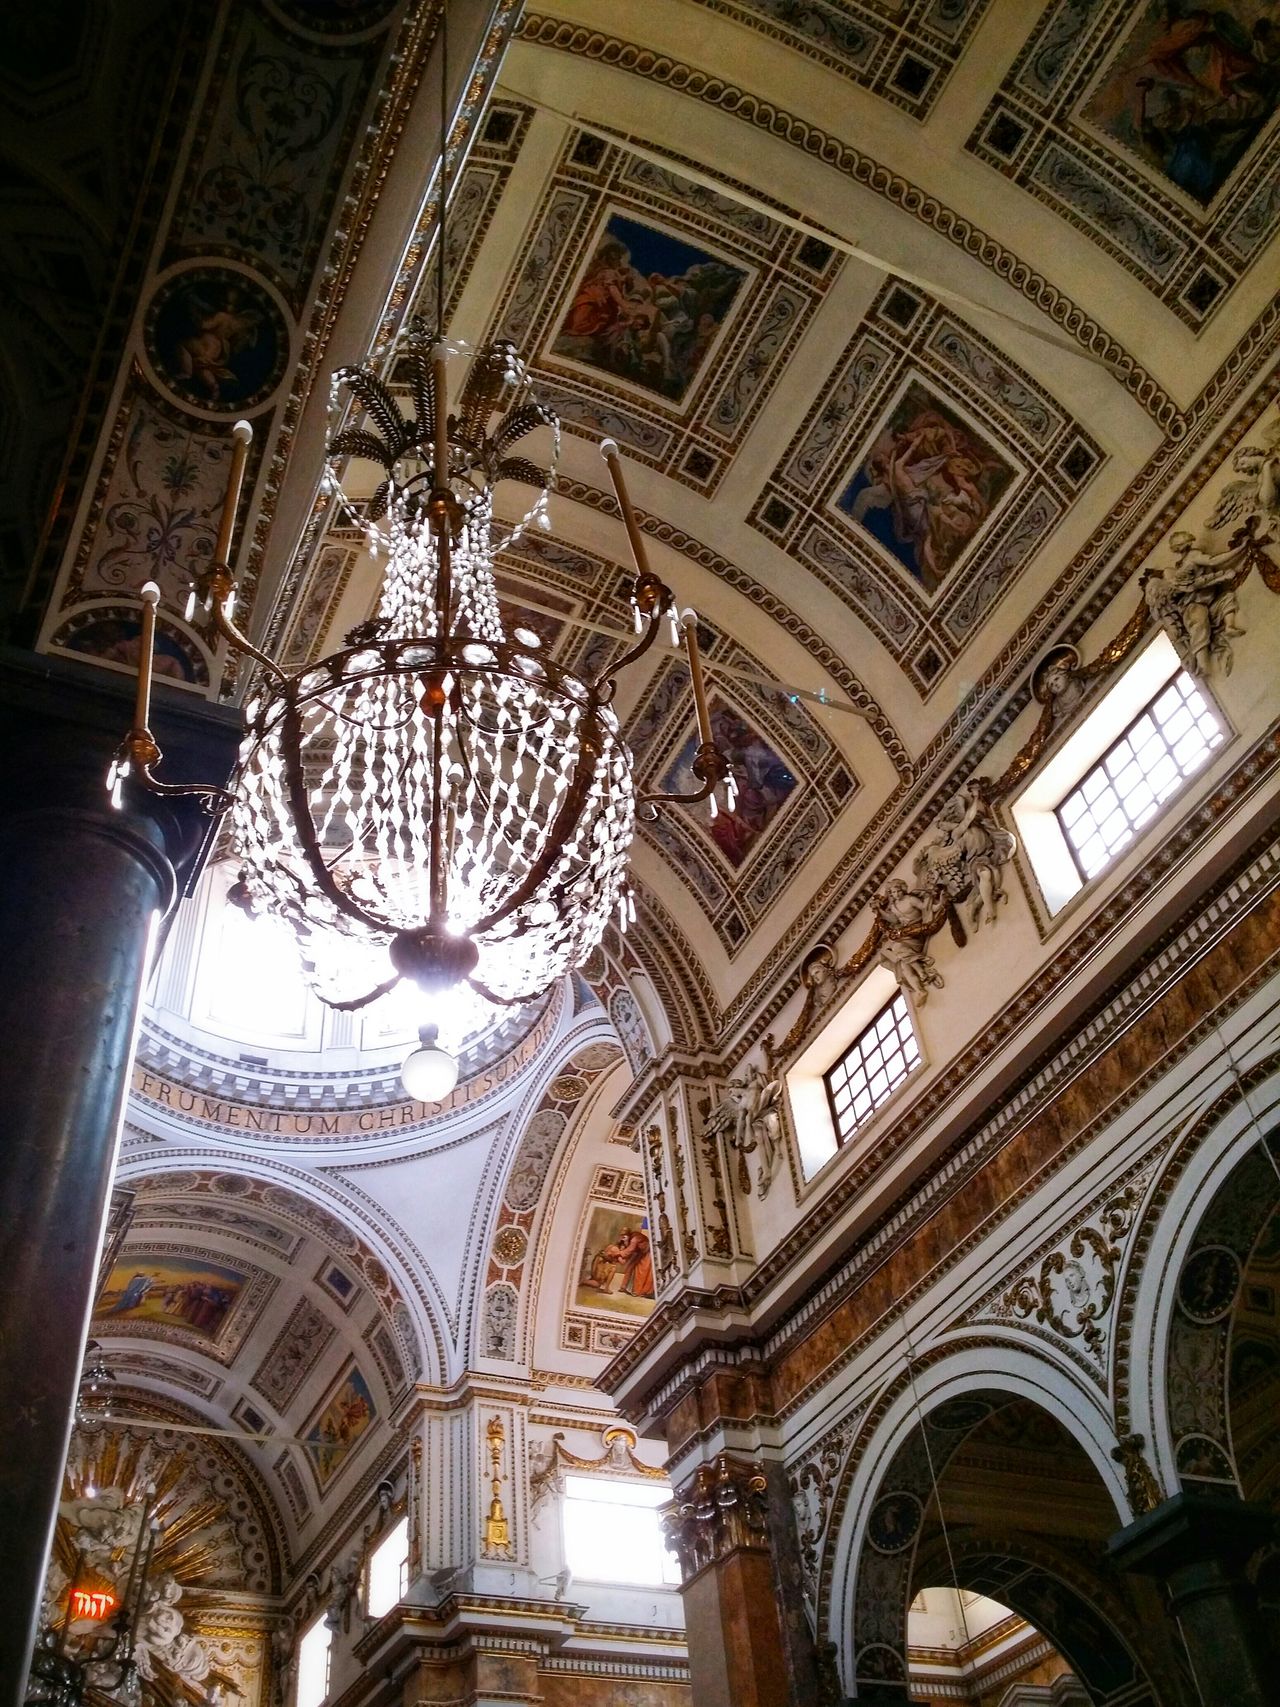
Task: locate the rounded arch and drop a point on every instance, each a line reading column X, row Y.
column 499, row 1320
column 413, row 1314
column 961, row 1382
column 1193, row 1195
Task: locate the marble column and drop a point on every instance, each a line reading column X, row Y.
column 1197, row 1546
column 82, row 891
column 718, row 1525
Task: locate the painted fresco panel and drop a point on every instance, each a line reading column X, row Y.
column 764, row 782
column 174, row 1291
column 1191, row 88
column 926, row 486
column 616, row 1271
column 343, row 1418
column 648, row 308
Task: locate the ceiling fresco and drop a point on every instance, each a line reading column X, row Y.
column 918, row 323
column 1152, row 133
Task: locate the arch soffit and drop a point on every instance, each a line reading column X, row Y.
column 525, row 1178
column 396, row 1283
column 959, row 1368
column 1224, row 1135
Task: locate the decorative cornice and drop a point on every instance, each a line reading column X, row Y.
column 1251, row 882
column 722, row 1509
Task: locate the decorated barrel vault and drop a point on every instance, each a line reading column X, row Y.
column 854, row 1278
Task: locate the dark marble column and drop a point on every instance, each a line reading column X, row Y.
column 718, row 1525
column 1197, row 1547
column 83, row 890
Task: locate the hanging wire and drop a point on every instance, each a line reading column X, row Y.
column 1238, row 1080
column 444, row 168
column 933, row 1477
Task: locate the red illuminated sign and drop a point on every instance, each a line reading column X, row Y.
column 93, row 1603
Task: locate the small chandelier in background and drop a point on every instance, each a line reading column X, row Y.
column 93, row 1649
column 440, row 791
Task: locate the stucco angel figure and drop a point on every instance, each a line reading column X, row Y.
column 162, row 1636
column 1195, row 599
column 907, row 957
column 344, row 1582
column 747, row 1113
column 1256, row 494
column 964, row 850
column 283, row 1641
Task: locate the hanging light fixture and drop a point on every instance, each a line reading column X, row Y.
column 91, row 1652
column 440, row 792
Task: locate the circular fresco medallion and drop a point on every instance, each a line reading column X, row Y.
column 894, row 1522
column 1208, row 1284
column 335, row 17
column 509, row 1246
column 956, row 1415
column 114, row 633
column 217, row 339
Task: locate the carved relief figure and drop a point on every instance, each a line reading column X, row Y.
column 162, row 1639
column 907, row 957
column 1057, row 681
column 747, row 1113
column 1195, row 599
column 1256, row 495
column 964, row 851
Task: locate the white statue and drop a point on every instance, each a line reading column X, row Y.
column 1257, row 493
column 964, row 851
column 747, row 1113
column 344, row 1581
column 907, row 957
column 161, row 1636
column 1196, row 601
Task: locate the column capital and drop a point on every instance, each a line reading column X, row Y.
column 722, row 1509
column 1192, row 1530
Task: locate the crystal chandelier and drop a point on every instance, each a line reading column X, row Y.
column 440, row 791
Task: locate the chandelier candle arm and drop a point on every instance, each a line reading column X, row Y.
column 215, row 586
column 651, row 597
column 150, row 596
column 689, row 630
column 241, row 439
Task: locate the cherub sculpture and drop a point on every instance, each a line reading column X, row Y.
column 747, row 1113
column 907, row 957
column 1195, row 599
column 1256, row 495
column 962, row 855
